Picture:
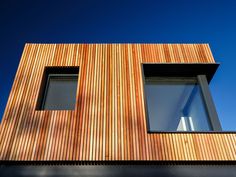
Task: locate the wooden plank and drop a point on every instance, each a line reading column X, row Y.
column 109, row 121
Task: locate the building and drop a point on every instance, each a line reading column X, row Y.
column 115, row 110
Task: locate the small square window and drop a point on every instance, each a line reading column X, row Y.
column 58, row 90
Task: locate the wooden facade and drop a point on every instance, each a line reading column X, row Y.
column 108, row 123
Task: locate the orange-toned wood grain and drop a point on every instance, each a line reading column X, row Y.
column 109, row 121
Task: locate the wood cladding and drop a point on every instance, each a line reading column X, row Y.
column 109, row 121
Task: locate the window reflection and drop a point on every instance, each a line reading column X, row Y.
column 175, row 104
column 60, row 93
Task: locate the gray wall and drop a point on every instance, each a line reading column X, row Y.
column 121, row 170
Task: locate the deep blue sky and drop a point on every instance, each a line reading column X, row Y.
column 122, row 21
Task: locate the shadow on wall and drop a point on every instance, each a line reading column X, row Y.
column 19, row 132
column 26, row 131
column 39, row 135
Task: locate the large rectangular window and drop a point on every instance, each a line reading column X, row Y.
column 178, row 98
column 59, row 89
column 175, row 104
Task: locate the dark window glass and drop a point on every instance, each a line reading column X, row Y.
column 60, row 92
column 175, row 104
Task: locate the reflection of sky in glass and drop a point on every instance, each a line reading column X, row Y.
column 175, row 105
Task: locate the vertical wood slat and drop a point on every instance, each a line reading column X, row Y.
column 109, row 121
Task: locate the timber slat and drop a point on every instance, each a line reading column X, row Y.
column 109, row 121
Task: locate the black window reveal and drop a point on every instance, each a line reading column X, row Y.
column 178, row 98
column 58, row 90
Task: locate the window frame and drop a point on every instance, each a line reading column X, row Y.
column 57, row 71
column 203, row 72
